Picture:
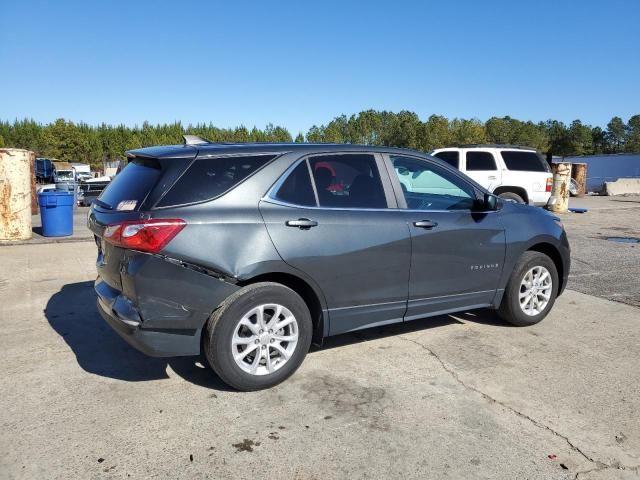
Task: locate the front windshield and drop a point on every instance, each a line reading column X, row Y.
column 65, row 175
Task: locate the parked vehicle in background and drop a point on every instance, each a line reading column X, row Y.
column 63, row 172
column 82, row 171
column 251, row 251
column 91, row 189
column 514, row 173
column 113, row 167
column 46, row 187
column 44, row 170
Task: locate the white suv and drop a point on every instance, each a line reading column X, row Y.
column 514, row 173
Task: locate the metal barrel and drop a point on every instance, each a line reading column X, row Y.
column 15, row 193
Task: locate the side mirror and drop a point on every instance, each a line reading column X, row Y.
column 489, row 203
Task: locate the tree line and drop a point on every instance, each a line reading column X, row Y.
column 66, row 140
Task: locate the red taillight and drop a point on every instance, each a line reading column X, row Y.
column 144, row 235
column 549, row 184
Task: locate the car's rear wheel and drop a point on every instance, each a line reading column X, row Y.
column 531, row 290
column 511, row 197
column 259, row 336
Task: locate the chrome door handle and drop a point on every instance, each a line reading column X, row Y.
column 428, row 224
column 302, row 223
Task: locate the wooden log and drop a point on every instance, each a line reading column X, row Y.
column 579, row 174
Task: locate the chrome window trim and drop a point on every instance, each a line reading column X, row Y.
column 270, row 196
column 275, row 201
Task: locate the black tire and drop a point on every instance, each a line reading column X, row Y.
column 512, row 197
column 222, row 323
column 510, row 309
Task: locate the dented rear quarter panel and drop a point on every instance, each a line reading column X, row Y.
column 226, row 236
column 170, row 295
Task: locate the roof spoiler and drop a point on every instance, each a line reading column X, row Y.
column 194, row 140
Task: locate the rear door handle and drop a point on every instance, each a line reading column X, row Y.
column 491, row 177
column 302, row 223
column 428, row 224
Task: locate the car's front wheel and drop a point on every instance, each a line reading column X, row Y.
column 259, row 336
column 531, row 290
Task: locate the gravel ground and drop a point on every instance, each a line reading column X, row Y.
column 601, row 267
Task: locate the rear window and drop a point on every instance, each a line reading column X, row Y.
column 132, row 184
column 452, row 158
column 524, row 161
column 480, row 161
column 209, row 178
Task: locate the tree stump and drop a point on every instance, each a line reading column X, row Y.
column 560, row 190
column 579, row 174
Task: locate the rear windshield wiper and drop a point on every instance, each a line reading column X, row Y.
column 102, row 204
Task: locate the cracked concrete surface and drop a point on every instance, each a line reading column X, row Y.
column 461, row 396
column 599, row 466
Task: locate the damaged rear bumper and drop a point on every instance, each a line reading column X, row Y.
column 163, row 306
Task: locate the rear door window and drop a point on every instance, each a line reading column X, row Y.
column 297, row 188
column 208, row 178
column 480, row 161
column 451, row 157
column 524, row 161
column 131, row 185
column 348, row 181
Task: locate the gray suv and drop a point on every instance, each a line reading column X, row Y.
column 252, row 252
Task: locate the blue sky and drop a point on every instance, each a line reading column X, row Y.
column 299, row 63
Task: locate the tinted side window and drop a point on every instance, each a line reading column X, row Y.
column 348, row 181
column 524, row 161
column 480, row 161
column 452, row 158
column 297, row 188
column 211, row 177
column 427, row 187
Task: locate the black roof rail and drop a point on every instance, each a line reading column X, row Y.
column 194, row 140
column 496, row 145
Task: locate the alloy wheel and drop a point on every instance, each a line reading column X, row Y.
column 264, row 339
column 535, row 290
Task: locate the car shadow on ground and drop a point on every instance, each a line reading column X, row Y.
column 72, row 313
column 484, row 316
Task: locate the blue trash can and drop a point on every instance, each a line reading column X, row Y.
column 56, row 213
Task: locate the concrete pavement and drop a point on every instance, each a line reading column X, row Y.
column 452, row 397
